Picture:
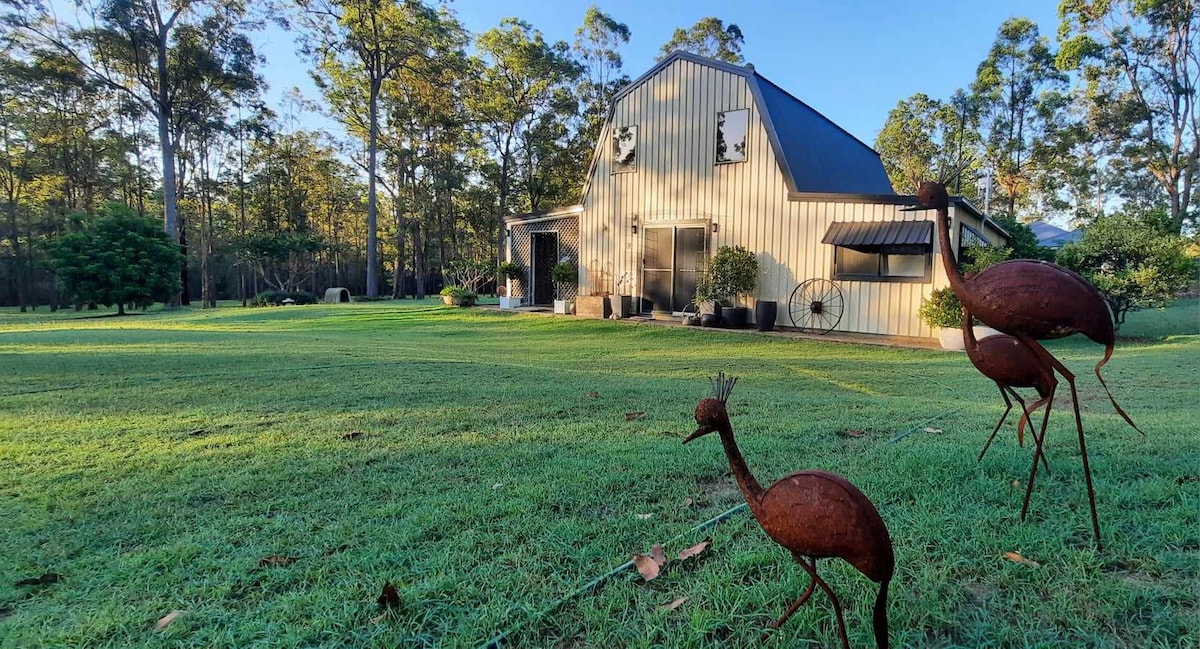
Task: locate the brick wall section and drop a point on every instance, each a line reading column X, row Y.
column 522, row 249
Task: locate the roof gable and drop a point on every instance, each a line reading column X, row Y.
column 814, row 154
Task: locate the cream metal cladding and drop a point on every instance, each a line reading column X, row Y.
column 677, row 179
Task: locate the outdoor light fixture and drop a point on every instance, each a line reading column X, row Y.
column 714, row 227
column 634, row 218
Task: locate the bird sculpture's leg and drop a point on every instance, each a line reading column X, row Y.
column 1007, row 409
column 1028, row 416
column 1021, row 430
column 837, row 606
column 812, row 584
column 1087, row 471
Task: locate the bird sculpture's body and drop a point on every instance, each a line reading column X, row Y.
column 1010, row 363
column 1032, row 300
column 813, row 514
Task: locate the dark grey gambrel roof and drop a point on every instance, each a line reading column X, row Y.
column 815, row 155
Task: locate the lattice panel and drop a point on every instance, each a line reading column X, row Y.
column 567, row 229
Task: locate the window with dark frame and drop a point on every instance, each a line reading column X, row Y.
column 731, row 135
column 624, row 146
column 967, row 237
column 881, row 266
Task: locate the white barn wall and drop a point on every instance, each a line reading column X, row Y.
column 676, row 181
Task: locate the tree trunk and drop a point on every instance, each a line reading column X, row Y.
column 372, row 204
column 170, row 202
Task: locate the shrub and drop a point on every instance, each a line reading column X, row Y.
column 733, row 272
column 1132, row 261
column 276, row 298
column 941, row 309
column 460, row 295
column 511, row 270
column 564, row 274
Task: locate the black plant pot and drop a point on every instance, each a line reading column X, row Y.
column 764, row 314
column 735, row 317
column 711, row 315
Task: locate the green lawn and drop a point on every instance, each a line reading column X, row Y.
column 153, row 461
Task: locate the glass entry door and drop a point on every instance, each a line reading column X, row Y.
column 672, row 256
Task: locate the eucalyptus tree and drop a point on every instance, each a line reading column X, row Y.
column 1140, row 64
column 131, row 47
column 926, row 138
column 519, row 76
column 1017, row 85
column 597, row 45
column 357, row 45
column 709, row 37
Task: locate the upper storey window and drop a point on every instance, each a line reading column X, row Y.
column 624, row 146
column 731, row 135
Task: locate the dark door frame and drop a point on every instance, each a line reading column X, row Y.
column 533, row 266
column 674, row 226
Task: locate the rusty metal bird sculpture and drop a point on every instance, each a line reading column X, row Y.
column 813, row 514
column 1010, row 363
column 1032, row 300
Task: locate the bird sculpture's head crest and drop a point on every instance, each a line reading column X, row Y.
column 710, row 413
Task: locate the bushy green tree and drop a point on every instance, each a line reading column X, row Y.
column 1134, row 260
column 118, row 258
column 709, row 37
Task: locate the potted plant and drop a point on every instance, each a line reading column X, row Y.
column 458, row 296
column 942, row 312
column 707, row 299
column 620, row 302
column 765, row 312
column 564, row 274
column 512, row 272
column 734, row 274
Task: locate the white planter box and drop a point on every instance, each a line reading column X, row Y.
column 510, row 302
column 952, row 338
column 564, row 307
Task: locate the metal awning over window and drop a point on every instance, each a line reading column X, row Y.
column 885, row 237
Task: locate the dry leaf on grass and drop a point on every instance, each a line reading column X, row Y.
column 389, row 601
column 352, row 435
column 644, row 516
column 631, row 416
column 688, row 502
column 674, row 605
column 649, row 566
column 1016, row 483
column 1017, row 558
column 593, row 395
column 854, row 433
column 166, row 620
column 932, row 430
column 497, row 486
column 695, row 549
column 277, row 560
column 44, row 580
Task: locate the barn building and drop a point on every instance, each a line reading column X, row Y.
column 697, row 154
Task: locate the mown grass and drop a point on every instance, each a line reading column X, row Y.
column 154, row 461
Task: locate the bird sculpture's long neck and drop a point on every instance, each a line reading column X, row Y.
column 957, row 282
column 969, row 341
column 746, row 482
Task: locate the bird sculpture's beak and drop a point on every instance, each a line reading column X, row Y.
column 699, row 432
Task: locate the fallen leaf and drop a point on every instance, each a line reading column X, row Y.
column 674, row 605
column 166, row 620
column 352, row 435
column 644, row 516
column 932, row 430
column 496, row 486
column 198, row 432
column 695, row 549
column 277, row 560
column 656, row 553
column 688, row 502
column 1016, row 483
column 630, row 416
column 1016, row 558
column 44, row 580
column 593, row 395
column 646, row 566
column 389, row 599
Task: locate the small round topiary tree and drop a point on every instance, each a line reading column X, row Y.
column 941, row 310
column 564, row 274
column 733, row 272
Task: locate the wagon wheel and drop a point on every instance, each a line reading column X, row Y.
column 816, row 305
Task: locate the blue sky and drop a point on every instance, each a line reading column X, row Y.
column 850, row 59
